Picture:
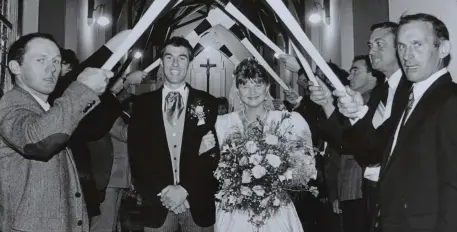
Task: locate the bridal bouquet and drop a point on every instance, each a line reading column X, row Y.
column 259, row 164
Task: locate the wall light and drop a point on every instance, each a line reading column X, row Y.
column 101, row 19
column 316, row 15
column 138, row 55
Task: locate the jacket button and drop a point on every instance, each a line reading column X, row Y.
column 80, row 223
column 77, row 194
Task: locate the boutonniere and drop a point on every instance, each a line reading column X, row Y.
column 198, row 111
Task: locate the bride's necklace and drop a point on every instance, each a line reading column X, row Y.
column 257, row 119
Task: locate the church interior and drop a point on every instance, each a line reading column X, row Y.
column 338, row 29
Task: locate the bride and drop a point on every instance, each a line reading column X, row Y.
column 250, row 201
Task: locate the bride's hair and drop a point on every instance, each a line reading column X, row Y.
column 250, row 69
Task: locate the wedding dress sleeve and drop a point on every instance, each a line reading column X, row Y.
column 222, row 124
column 304, row 168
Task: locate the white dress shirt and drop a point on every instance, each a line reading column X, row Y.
column 381, row 115
column 43, row 104
column 419, row 89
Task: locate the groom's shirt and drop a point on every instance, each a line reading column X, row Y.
column 175, row 132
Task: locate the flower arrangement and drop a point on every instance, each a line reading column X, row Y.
column 198, row 111
column 258, row 165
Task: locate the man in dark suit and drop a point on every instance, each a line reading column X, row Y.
column 358, row 139
column 172, row 148
column 418, row 179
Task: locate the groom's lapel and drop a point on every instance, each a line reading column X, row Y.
column 190, row 122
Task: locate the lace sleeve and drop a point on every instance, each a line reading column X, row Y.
column 304, row 163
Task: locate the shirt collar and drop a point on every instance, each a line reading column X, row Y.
column 182, row 90
column 394, row 80
column 419, row 88
column 43, row 104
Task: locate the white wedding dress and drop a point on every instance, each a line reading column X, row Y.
column 286, row 218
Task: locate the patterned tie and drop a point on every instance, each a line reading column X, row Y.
column 408, row 107
column 174, row 106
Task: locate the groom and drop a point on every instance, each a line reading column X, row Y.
column 172, row 149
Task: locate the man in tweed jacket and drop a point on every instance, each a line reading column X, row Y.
column 39, row 186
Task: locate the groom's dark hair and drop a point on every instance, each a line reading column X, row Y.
column 178, row 41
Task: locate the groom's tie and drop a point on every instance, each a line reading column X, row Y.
column 173, row 106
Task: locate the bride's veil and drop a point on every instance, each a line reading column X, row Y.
column 235, row 103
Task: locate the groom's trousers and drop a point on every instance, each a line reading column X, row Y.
column 180, row 222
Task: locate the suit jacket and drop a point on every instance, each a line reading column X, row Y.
column 120, row 172
column 39, row 186
column 361, row 139
column 368, row 143
column 418, row 185
column 90, row 143
column 151, row 163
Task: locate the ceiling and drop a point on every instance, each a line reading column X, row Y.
column 257, row 11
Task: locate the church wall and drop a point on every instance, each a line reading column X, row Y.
column 52, row 19
column 367, row 13
column 333, row 38
column 30, row 16
column 90, row 36
column 347, row 33
column 67, row 21
column 331, row 35
column 443, row 9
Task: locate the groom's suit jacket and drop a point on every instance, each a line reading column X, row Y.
column 150, row 161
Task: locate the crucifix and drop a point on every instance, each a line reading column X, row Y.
column 208, row 66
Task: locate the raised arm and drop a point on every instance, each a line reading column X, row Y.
column 37, row 134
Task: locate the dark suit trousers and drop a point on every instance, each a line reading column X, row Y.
column 370, row 193
column 354, row 215
column 180, row 222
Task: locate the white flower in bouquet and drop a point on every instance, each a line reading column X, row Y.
column 219, row 195
column 223, row 165
column 273, row 160
column 258, row 190
column 246, row 177
column 225, row 148
column 307, row 159
column 258, row 171
column 264, row 202
column 271, row 139
column 217, row 174
column 227, row 183
column 255, row 159
column 243, row 161
column 288, row 174
column 246, row 191
column 276, row 202
column 251, row 147
column 232, row 200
